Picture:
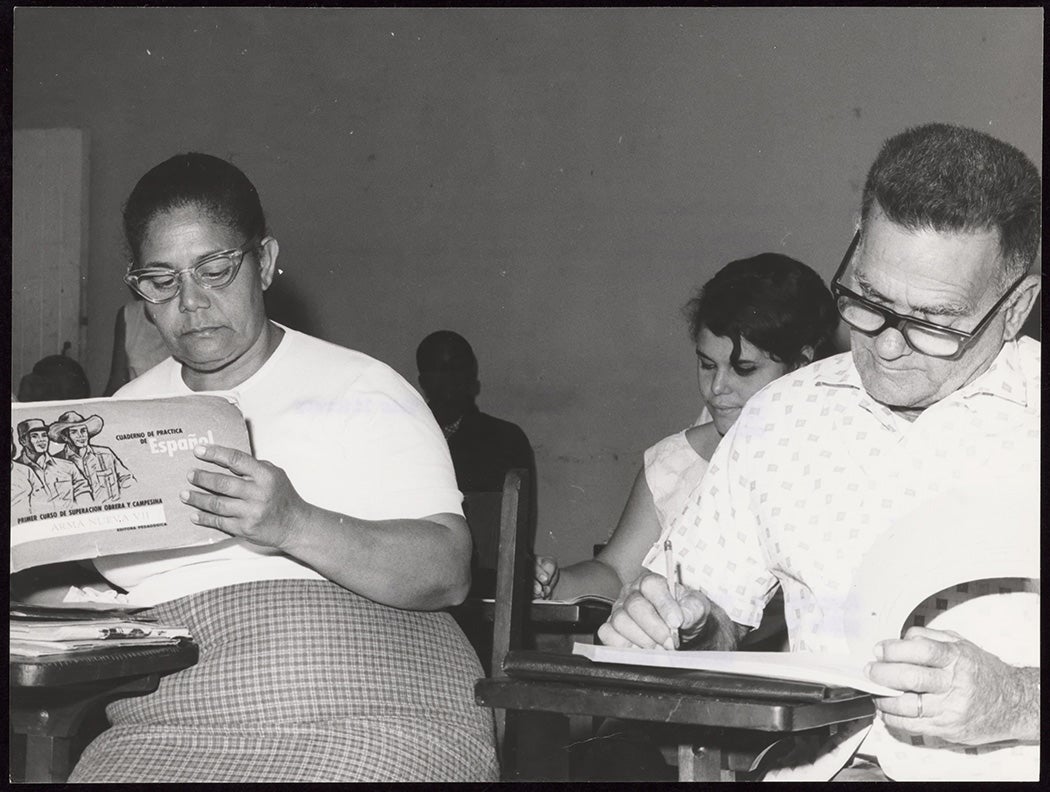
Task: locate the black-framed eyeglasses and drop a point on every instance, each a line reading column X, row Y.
column 925, row 337
column 162, row 284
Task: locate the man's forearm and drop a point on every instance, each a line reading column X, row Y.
column 1025, row 712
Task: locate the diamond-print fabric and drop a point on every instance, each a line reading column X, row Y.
column 814, row 470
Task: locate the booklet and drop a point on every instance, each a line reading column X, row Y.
column 99, row 477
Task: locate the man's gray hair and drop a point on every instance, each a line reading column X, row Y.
column 950, row 178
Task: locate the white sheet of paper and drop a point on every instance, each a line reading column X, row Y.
column 832, row 670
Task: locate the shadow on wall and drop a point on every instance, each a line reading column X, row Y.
column 285, row 306
column 1033, row 325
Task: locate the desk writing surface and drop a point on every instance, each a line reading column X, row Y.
column 51, row 697
column 580, row 616
column 596, row 699
column 664, row 706
column 561, row 667
column 97, row 666
column 588, row 614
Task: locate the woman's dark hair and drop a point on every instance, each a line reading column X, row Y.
column 777, row 303
column 219, row 189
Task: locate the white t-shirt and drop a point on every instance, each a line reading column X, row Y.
column 351, row 434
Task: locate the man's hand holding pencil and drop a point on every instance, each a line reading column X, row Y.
column 656, row 611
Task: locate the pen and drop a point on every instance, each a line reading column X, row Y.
column 672, row 580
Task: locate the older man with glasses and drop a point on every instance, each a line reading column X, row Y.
column 938, row 399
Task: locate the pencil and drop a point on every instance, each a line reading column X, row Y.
column 672, row 581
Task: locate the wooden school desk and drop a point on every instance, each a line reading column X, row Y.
column 732, row 718
column 51, row 696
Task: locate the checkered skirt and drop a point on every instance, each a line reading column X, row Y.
column 302, row 680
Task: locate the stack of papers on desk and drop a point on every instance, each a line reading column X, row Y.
column 44, row 632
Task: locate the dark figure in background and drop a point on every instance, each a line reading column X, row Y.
column 483, row 448
column 53, row 378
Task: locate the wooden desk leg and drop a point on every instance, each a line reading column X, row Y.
column 702, row 764
column 50, row 718
column 47, row 758
column 535, row 746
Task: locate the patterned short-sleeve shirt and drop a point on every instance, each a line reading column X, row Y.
column 815, row 470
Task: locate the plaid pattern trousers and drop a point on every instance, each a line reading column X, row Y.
column 302, row 680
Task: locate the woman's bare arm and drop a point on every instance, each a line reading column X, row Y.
column 621, row 559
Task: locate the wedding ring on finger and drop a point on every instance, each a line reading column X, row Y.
column 918, row 697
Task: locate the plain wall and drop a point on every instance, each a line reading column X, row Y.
column 551, row 183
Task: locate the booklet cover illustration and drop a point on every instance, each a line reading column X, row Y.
column 102, row 476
